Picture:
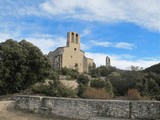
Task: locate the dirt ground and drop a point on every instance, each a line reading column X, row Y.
column 19, row 115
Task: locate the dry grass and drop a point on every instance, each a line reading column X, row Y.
column 94, row 93
column 133, row 94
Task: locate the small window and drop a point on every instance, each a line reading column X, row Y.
column 75, row 49
column 76, row 65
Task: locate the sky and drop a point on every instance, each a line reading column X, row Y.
column 128, row 31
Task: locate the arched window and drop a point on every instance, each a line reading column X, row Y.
column 72, row 37
column 77, row 38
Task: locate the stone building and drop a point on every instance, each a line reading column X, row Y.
column 71, row 56
column 108, row 62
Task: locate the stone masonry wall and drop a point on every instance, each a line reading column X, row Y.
column 6, row 105
column 85, row 108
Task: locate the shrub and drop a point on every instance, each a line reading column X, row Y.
column 109, row 88
column 98, row 83
column 69, row 72
column 40, row 88
column 133, row 94
column 60, row 91
column 81, row 89
column 82, row 79
column 55, row 89
column 94, row 93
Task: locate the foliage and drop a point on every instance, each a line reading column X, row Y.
column 109, row 88
column 149, row 87
column 154, row 69
column 22, row 64
column 124, row 80
column 98, row 83
column 83, row 79
column 55, row 89
column 81, row 89
column 102, row 71
column 135, row 68
column 83, row 82
column 100, row 93
column 53, row 75
column 71, row 72
column 60, row 90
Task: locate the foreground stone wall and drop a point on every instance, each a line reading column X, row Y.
column 145, row 109
column 85, row 108
column 6, row 105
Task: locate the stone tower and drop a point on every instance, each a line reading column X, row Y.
column 73, row 40
column 108, row 62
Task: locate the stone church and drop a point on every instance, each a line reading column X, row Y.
column 71, row 56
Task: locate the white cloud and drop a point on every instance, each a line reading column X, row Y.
column 20, row 8
column 47, row 42
column 122, row 45
column 102, row 44
column 120, row 61
column 144, row 13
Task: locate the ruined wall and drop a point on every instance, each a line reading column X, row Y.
column 85, row 108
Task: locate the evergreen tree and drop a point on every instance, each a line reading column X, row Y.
column 22, row 64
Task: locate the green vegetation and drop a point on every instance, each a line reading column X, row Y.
column 69, row 72
column 146, row 82
column 83, row 82
column 98, row 83
column 23, row 66
column 154, row 69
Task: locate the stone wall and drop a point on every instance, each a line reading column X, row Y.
column 85, row 108
column 6, row 105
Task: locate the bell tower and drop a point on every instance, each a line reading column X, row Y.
column 73, row 40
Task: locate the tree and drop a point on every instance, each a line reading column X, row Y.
column 148, row 87
column 83, row 84
column 154, row 68
column 124, row 80
column 68, row 71
column 102, row 71
column 109, row 88
column 98, row 83
column 22, row 64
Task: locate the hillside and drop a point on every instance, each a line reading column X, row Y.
column 154, row 68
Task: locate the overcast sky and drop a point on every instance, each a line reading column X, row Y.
column 128, row 31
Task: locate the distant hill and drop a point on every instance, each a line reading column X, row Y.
column 154, row 68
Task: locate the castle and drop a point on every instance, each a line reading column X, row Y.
column 71, row 56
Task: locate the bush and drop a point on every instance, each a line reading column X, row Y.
column 69, row 72
column 109, row 88
column 133, row 94
column 94, row 93
column 60, row 91
column 81, row 89
column 40, row 88
column 82, row 79
column 55, row 89
column 98, row 83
